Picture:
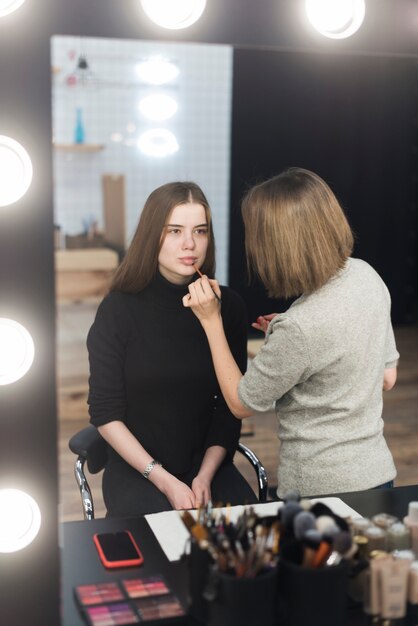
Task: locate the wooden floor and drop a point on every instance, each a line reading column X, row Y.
column 73, row 321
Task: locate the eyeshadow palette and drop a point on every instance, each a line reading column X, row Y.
column 132, row 601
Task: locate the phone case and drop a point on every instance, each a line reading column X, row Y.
column 115, row 562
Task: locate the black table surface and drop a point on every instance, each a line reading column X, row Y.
column 80, row 563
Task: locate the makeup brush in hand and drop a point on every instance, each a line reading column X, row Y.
column 201, row 276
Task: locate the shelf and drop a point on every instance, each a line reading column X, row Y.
column 79, row 147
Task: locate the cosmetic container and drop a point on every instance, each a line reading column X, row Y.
column 358, row 526
column 411, row 521
column 413, row 583
column 398, row 537
column 79, row 133
column 394, row 586
column 376, row 539
column 384, row 520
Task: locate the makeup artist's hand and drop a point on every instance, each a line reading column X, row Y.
column 263, row 321
column 203, row 298
column 201, row 490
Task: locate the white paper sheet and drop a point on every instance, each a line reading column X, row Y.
column 172, row 535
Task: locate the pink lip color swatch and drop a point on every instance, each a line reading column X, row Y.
column 159, row 608
column 144, row 587
column 112, row 615
column 99, row 594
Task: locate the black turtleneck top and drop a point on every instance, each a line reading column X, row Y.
column 151, row 368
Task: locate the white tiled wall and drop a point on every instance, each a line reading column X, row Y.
column 201, row 125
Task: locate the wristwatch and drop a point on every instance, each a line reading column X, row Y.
column 147, row 471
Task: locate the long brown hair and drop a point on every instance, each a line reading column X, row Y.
column 296, row 234
column 140, row 263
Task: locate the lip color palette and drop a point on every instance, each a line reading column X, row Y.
column 98, row 594
column 132, row 601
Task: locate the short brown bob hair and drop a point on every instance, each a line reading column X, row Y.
column 140, row 263
column 296, row 234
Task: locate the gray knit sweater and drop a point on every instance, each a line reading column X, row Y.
column 322, row 366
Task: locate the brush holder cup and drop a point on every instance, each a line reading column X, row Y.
column 238, row 601
column 314, row 596
column 199, row 564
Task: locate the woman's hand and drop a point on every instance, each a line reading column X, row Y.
column 263, row 321
column 178, row 493
column 201, row 490
column 202, row 299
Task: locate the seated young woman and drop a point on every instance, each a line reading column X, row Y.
column 153, row 392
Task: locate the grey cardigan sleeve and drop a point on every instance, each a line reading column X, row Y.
column 282, row 363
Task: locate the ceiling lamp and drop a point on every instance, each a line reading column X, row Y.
column 156, row 71
column 158, row 107
column 8, row 6
column 20, row 520
column 15, row 171
column 336, row 19
column 16, row 351
column 174, row 14
column 82, row 74
column 158, row 142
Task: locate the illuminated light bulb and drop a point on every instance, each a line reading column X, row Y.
column 156, row 71
column 20, row 520
column 158, row 142
column 15, row 171
column 174, row 14
column 16, row 351
column 8, row 6
column 336, row 19
column 158, row 107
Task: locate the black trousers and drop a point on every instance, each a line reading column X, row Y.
column 126, row 492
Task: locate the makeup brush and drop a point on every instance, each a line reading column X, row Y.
column 201, row 276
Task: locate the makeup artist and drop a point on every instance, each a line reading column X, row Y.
column 327, row 359
column 153, row 393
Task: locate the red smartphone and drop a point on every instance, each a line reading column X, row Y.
column 118, row 549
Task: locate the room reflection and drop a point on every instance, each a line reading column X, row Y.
column 103, row 108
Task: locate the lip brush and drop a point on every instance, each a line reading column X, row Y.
column 201, row 276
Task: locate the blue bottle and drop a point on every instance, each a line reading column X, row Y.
column 79, row 134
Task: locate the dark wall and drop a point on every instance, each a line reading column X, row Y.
column 351, row 119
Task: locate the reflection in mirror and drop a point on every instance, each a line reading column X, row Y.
column 111, row 149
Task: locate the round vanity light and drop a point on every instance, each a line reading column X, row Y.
column 336, row 19
column 20, row 520
column 15, row 171
column 8, row 6
column 174, row 14
column 158, row 107
column 158, row 142
column 16, row 351
column 156, row 71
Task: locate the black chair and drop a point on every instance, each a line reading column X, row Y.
column 91, row 448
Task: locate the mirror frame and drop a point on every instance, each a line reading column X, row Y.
column 28, row 448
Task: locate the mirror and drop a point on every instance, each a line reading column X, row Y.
column 332, row 113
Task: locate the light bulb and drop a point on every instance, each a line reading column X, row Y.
column 9, row 6
column 20, row 520
column 174, row 14
column 156, row 71
column 15, row 171
column 337, row 19
column 16, row 351
column 158, row 142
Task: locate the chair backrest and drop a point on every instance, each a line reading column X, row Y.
column 91, row 448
